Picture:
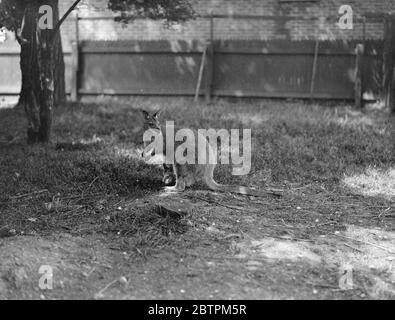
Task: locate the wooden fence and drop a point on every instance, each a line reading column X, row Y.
column 302, row 69
column 10, row 74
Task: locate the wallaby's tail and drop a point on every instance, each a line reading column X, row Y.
column 241, row 190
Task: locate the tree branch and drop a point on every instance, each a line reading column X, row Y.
column 60, row 22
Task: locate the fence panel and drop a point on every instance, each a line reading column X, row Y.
column 240, row 68
column 10, row 72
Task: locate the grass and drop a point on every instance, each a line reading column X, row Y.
column 90, row 184
column 92, row 164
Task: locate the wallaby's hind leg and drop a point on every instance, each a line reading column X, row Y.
column 180, row 181
column 208, row 177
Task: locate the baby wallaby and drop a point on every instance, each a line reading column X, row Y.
column 187, row 174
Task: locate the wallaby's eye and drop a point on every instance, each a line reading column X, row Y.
column 145, row 114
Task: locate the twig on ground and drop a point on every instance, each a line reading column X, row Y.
column 88, row 274
column 72, row 210
column 322, row 285
column 384, row 211
column 366, row 242
column 320, row 225
column 302, row 187
column 356, row 249
column 12, row 140
column 84, row 196
column 90, row 185
column 29, row 194
column 100, row 293
column 224, row 205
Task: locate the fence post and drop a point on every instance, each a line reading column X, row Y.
column 210, row 61
column 77, row 28
column 200, row 76
column 389, row 62
column 358, row 87
column 74, row 70
column 313, row 74
column 75, row 61
column 391, row 93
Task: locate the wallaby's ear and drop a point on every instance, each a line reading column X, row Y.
column 145, row 113
column 157, row 114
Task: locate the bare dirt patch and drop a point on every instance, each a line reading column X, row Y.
column 213, row 253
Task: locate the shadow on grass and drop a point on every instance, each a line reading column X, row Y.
column 90, row 170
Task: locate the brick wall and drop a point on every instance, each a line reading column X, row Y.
column 298, row 28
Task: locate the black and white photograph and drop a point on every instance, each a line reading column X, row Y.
column 208, row 152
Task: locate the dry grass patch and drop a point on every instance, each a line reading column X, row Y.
column 373, row 182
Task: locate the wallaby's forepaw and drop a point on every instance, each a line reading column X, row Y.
column 169, row 180
column 177, row 188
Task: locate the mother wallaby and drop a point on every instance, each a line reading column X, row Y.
column 185, row 175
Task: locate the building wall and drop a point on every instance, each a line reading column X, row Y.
column 311, row 19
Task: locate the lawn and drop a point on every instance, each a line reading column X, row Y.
column 87, row 205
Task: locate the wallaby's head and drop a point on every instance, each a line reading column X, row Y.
column 151, row 121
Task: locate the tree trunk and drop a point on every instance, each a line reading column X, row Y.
column 42, row 69
column 60, row 83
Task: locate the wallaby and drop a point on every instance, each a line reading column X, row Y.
column 188, row 174
column 152, row 123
